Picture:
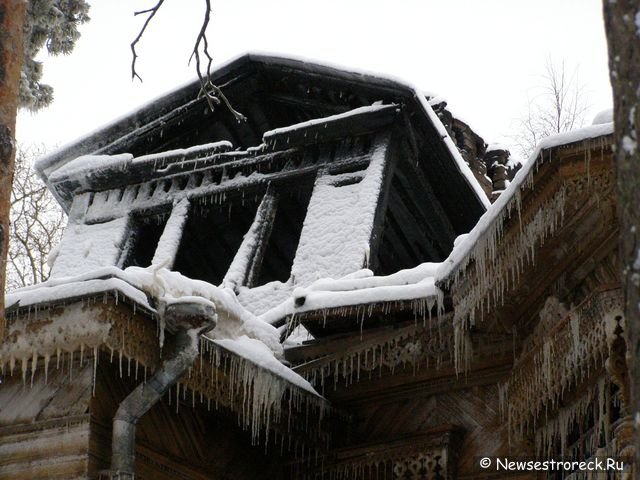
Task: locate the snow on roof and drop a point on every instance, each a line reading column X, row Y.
column 323, row 121
column 414, row 283
column 463, row 167
column 462, row 250
column 55, row 293
column 435, row 99
column 492, row 147
column 605, row 116
column 88, row 247
column 127, row 125
column 254, row 337
column 422, row 281
column 85, row 165
column 237, row 329
column 404, row 285
column 258, row 353
column 337, row 227
column 357, row 288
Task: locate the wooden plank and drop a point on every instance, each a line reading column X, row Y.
column 332, row 129
column 53, row 449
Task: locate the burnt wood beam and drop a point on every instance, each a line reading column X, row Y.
column 410, row 210
column 394, row 231
column 325, row 349
column 241, row 132
column 256, row 119
column 236, row 187
column 323, row 130
column 218, row 160
column 391, row 162
column 422, row 382
column 274, row 264
column 247, row 261
column 307, row 103
column 411, row 136
column 329, row 78
column 255, row 112
column 459, row 200
column 141, row 131
column 138, row 129
column 413, row 180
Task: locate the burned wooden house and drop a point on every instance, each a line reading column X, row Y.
column 322, row 290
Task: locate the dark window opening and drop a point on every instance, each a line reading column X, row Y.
column 211, row 237
column 282, row 243
column 143, row 240
column 415, row 229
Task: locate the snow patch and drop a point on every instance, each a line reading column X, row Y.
column 85, row 248
column 629, row 145
column 170, row 239
column 337, row 228
column 258, row 353
column 91, row 163
column 604, row 116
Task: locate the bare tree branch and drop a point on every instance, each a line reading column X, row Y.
column 151, row 12
column 211, row 92
column 559, row 107
column 36, row 224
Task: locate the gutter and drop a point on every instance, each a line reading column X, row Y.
column 188, row 320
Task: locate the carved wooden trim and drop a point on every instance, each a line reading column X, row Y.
column 426, row 456
column 563, row 185
column 559, row 361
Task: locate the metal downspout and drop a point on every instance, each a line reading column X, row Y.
column 188, row 320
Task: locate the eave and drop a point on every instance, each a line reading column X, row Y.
column 115, row 326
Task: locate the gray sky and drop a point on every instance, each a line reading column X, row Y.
column 486, row 57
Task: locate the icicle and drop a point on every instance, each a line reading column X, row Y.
column 47, row 357
column 95, row 370
column 34, row 363
column 25, row 365
column 162, row 326
column 71, row 365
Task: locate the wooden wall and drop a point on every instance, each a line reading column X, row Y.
column 44, row 428
column 191, row 444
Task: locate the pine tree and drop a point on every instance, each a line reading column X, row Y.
column 52, row 24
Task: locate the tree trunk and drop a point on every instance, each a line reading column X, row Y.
column 622, row 23
column 12, row 13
